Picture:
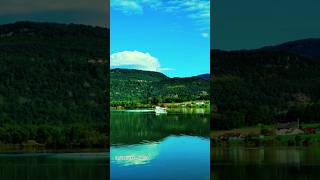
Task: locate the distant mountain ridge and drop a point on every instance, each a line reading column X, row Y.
column 204, row 76
column 309, row 48
column 305, row 47
column 137, row 74
column 33, row 38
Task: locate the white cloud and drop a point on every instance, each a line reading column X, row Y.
column 127, row 6
column 136, row 60
column 205, row 35
column 166, row 69
column 196, row 10
column 134, row 6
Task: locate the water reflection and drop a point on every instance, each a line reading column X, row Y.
column 146, row 146
column 266, row 163
column 279, row 155
column 136, row 128
column 53, row 166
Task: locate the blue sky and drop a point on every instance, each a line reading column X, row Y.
column 250, row 24
column 170, row 36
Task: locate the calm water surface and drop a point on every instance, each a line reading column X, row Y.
column 275, row 163
column 149, row 146
column 54, row 166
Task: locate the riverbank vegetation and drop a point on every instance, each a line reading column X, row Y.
column 54, row 136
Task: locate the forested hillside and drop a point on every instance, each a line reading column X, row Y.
column 134, row 87
column 265, row 86
column 52, row 84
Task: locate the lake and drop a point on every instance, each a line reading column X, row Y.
column 294, row 163
column 169, row 146
column 54, row 166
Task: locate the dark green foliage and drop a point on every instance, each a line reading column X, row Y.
column 53, row 76
column 264, row 86
column 130, row 88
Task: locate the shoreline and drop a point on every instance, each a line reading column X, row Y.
column 266, row 136
column 187, row 104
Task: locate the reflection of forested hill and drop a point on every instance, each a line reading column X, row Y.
column 134, row 128
column 130, row 87
column 51, row 74
column 266, row 85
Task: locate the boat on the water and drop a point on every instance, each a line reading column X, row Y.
column 160, row 110
column 138, row 110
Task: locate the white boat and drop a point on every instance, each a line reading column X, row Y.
column 160, row 110
column 138, row 110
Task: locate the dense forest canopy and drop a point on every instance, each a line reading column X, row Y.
column 53, row 79
column 266, row 86
column 131, row 87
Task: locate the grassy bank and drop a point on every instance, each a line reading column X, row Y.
column 257, row 136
